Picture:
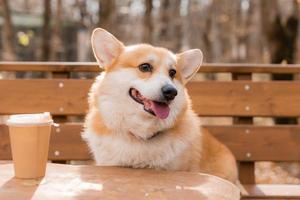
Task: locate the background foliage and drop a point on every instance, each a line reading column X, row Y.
column 257, row 31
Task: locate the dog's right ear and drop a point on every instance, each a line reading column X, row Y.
column 106, row 47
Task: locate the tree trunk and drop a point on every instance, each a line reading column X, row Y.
column 171, row 32
column 164, row 22
column 148, row 26
column 253, row 31
column 26, row 6
column 46, row 35
column 106, row 13
column 83, row 12
column 282, row 36
column 8, row 33
column 57, row 47
column 177, row 26
column 268, row 10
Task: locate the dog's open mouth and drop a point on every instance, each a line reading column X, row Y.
column 156, row 108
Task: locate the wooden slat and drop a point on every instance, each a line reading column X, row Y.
column 93, row 67
column 245, row 98
column 65, row 144
column 248, row 143
column 69, row 97
column 260, row 143
column 278, row 192
column 60, row 97
column 66, row 139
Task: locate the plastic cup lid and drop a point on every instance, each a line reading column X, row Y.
column 30, row 119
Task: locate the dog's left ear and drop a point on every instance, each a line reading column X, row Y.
column 106, row 47
column 189, row 62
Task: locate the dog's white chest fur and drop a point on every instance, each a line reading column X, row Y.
column 160, row 152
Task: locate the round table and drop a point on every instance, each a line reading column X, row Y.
column 73, row 182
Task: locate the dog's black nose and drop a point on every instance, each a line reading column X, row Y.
column 169, row 92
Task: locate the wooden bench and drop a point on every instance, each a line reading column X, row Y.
column 239, row 98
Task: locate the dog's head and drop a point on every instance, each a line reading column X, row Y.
column 150, row 78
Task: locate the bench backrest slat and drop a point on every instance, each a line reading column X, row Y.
column 60, row 97
column 236, row 98
column 248, row 143
column 246, row 98
column 260, row 143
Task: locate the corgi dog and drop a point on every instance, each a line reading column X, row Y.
column 140, row 113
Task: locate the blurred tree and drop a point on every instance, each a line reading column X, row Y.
column 26, row 5
column 280, row 34
column 148, row 26
column 284, row 37
column 177, row 26
column 226, row 30
column 83, row 34
column 171, row 32
column 107, row 13
column 255, row 40
column 56, row 45
column 165, row 18
column 46, row 32
column 81, row 4
column 8, row 33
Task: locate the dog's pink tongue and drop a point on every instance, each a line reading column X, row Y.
column 161, row 110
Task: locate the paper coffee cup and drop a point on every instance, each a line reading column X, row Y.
column 29, row 138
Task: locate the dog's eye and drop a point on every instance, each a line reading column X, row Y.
column 172, row 73
column 145, row 67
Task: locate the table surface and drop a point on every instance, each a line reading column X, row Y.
column 70, row 182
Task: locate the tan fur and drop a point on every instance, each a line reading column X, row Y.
column 134, row 58
column 217, row 159
column 205, row 154
column 183, row 145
